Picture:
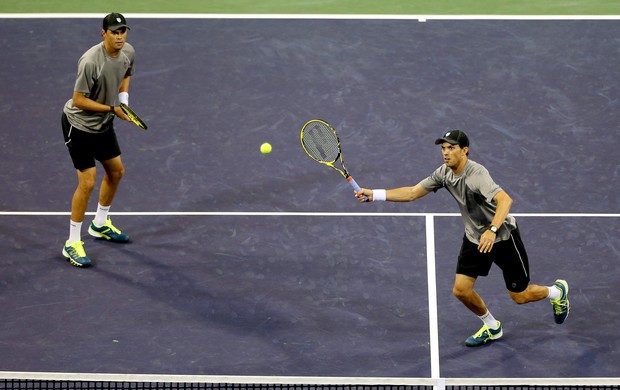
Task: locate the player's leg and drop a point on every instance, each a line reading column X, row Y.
column 101, row 226
column 87, row 179
column 491, row 329
column 557, row 294
column 532, row 293
column 74, row 247
column 513, row 260
column 77, row 143
column 109, row 154
column 463, row 290
column 472, row 264
column 114, row 171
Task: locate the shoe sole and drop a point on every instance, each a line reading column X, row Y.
column 564, row 284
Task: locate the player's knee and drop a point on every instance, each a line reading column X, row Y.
column 86, row 183
column 120, row 173
column 459, row 292
column 117, row 174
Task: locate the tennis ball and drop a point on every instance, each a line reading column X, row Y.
column 265, row 148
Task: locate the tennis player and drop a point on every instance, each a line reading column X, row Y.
column 103, row 77
column 491, row 235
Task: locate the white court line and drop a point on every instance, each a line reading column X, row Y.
column 433, row 320
column 308, row 16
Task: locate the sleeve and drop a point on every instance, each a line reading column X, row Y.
column 434, row 181
column 86, row 77
column 130, row 52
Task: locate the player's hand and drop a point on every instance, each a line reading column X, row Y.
column 121, row 114
column 364, row 195
column 486, row 241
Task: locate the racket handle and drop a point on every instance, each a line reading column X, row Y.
column 356, row 187
column 351, row 181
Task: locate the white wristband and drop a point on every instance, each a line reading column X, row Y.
column 379, row 195
column 123, row 97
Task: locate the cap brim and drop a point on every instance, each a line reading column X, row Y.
column 439, row 141
column 118, row 26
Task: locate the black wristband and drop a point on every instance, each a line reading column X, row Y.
column 112, row 109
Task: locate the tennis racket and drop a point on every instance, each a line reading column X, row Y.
column 322, row 144
column 133, row 116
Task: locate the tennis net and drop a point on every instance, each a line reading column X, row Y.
column 31, row 380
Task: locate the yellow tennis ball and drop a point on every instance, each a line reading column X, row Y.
column 265, row 148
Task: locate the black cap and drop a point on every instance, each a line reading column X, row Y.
column 454, row 137
column 114, row 21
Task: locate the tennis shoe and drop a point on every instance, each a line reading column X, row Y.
column 484, row 335
column 561, row 306
column 108, row 232
column 75, row 254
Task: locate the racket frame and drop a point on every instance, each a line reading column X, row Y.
column 133, row 116
column 344, row 172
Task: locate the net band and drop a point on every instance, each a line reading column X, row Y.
column 34, row 380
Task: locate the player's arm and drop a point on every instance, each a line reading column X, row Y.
column 123, row 95
column 83, row 103
column 123, row 90
column 402, row 194
column 125, row 85
column 503, row 202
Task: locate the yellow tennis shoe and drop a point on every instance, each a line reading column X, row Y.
column 484, row 335
column 561, row 306
column 108, row 232
column 75, row 254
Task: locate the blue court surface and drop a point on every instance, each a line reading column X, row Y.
column 246, row 264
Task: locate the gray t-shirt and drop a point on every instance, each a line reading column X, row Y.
column 473, row 189
column 99, row 77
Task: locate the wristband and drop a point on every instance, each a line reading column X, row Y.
column 379, row 195
column 112, row 109
column 123, row 97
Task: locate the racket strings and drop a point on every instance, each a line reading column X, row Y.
column 321, row 143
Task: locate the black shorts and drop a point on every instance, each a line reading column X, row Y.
column 85, row 148
column 509, row 255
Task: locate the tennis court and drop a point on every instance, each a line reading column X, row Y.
column 250, row 266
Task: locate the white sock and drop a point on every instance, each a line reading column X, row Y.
column 102, row 215
column 489, row 320
column 75, row 232
column 554, row 292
